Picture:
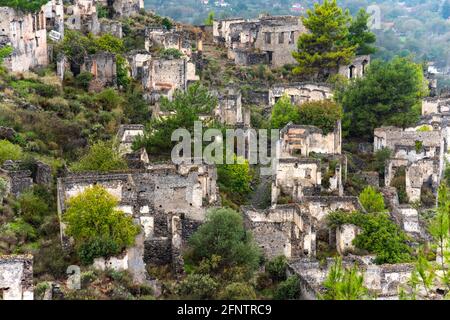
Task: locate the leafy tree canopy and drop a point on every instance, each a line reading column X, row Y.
column 380, row 235
column 103, row 157
column 390, row 93
column 372, row 200
column 97, row 227
column 322, row 114
column 24, row 5
column 223, row 235
column 360, row 35
column 326, row 46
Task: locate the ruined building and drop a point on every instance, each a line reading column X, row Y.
column 54, row 15
column 269, row 39
column 123, row 8
column 168, row 201
column 230, row 111
column 16, row 277
column 307, row 162
column 300, row 92
column 170, row 39
column 419, row 153
column 82, row 16
column 26, row 33
column 161, row 76
column 382, row 280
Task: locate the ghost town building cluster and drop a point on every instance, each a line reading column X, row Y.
column 170, row 201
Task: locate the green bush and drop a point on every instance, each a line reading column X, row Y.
column 171, row 53
column 83, row 79
column 238, row 291
column 33, row 209
column 24, row 5
column 380, row 235
column 100, row 157
column 92, row 217
column 371, row 200
column 223, row 235
column 198, row 287
column 289, row 289
column 9, row 151
column 277, row 268
column 98, row 247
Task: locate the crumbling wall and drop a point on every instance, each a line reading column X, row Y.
column 27, row 34
column 357, row 67
column 104, row 69
column 16, row 277
column 82, row 15
column 300, row 92
column 230, row 110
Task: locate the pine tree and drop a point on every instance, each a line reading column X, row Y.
column 360, row 35
column 326, row 46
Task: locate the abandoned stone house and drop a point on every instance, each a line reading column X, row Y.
column 300, row 92
column 171, row 39
column 82, row 16
column 16, row 277
column 126, row 135
column 123, row 8
column 26, row 33
column 357, row 67
column 54, row 15
column 168, row 201
column 293, row 230
column 19, row 179
column 161, row 76
column 382, row 280
column 307, row 163
column 269, row 39
column 104, row 69
column 230, row 110
column 419, row 153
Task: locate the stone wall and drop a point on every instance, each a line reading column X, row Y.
column 300, row 92
column 82, row 16
column 27, row 34
column 168, row 39
column 16, row 277
column 383, row 281
column 104, row 69
column 126, row 135
column 230, row 110
column 357, row 67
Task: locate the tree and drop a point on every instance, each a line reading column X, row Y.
column 283, row 112
column 238, row 291
column 210, row 19
column 277, row 268
column 9, row 151
column 24, row 5
column 325, row 47
column 322, row 114
column 235, row 178
column 344, row 283
column 97, row 227
column 223, row 235
column 102, row 156
column 360, row 35
column 371, row 200
column 4, row 52
column 186, row 108
column 389, row 94
column 288, row 289
column 379, row 235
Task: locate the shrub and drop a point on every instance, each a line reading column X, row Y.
column 33, row 209
column 171, row 53
column 371, row 200
column 83, row 79
column 100, row 157
column 344, row 284
column 380, row 235
column 289, row 289
column 322, row 114
column 9, row 151
column 277, row 268
column 238, row 291
column 223, row 235
column 198, row 287
column 91, row 218
column 109, row 99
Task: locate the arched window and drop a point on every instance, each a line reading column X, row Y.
column 351, row 72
